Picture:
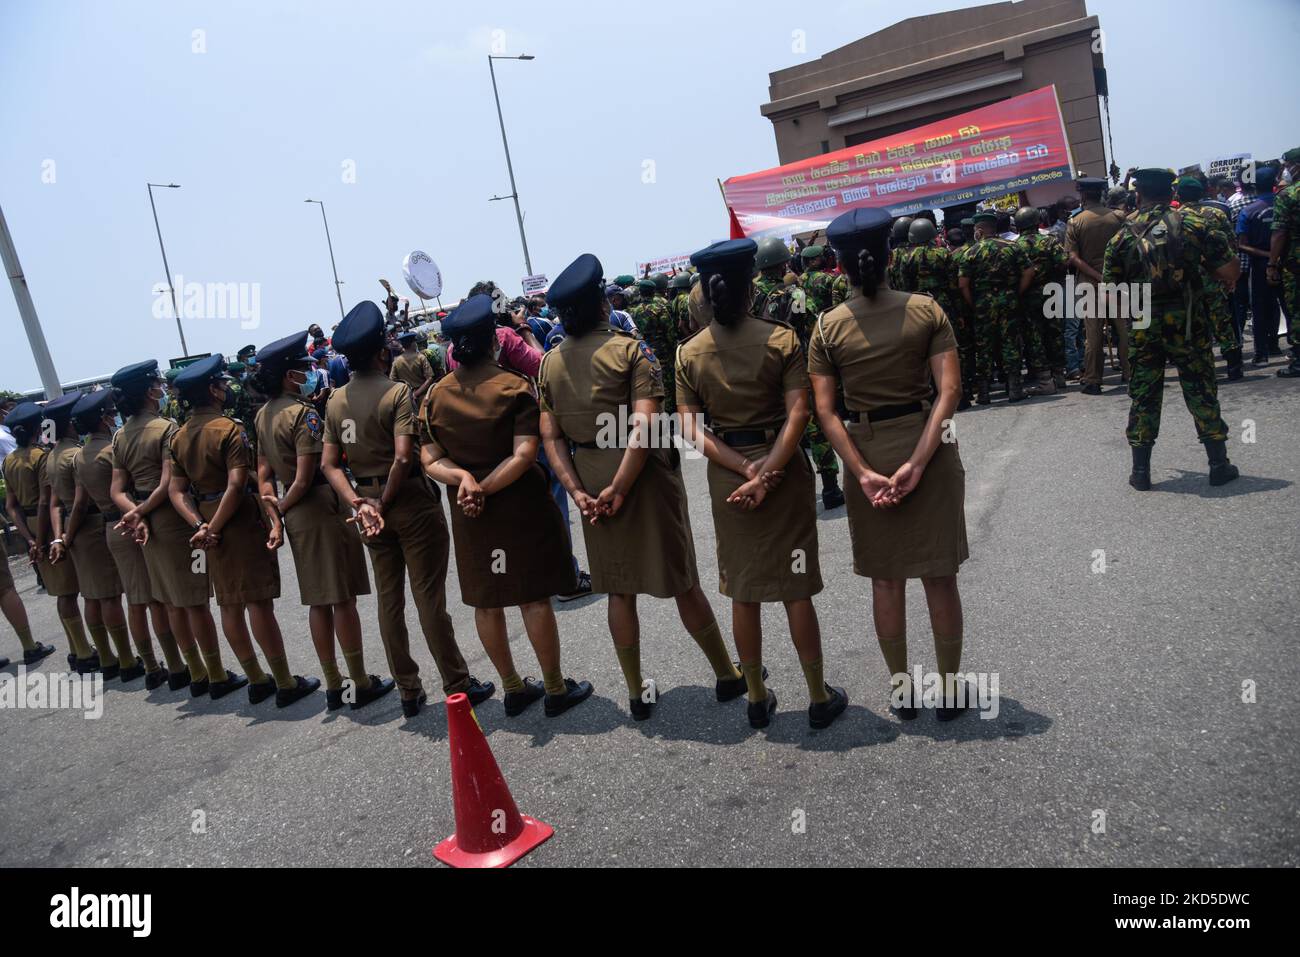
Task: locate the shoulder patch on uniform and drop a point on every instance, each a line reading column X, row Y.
column 646, row 350
column 315, row 426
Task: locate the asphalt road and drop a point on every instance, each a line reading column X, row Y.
column 1121, row 692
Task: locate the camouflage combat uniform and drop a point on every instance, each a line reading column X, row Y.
column 1286, row 216
column 172, row 408
column 932, row 270
column 678, row 308
column 839, row 289
column 1044, row 336
column 894, row 271
column 993, row 266
column 819, row 288
column 1216, row 297
column 654, row 320
column 1167, row 338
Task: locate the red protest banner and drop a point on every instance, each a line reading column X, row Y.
column 1016, row 144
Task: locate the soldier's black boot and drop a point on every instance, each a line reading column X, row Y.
column 1221, row 470
column 1233, row 358
column 1014, row 392
column 33, row 655
column 1140, row 477
column 832, row 497
column 982, row 393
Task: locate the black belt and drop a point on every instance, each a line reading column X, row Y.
column 885, row 412
column 112, row 515
column 738, row 438
column 30, row 512
column 90, row 510
column 587, row 445
column 217, row 496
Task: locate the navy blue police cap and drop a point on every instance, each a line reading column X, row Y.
column 1090, row 183
column 92, row 404
column 199, row 374
column 581, row 282
column 25, row 415
column 728, row 255
column 60, row 409
column 1265, row 177
column 406, row 338
column 361, row 332
column 473, row 315
column 284, row 353
column 858, row 227
column 131, row 378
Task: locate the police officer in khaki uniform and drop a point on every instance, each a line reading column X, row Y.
column 412, row 367
column 212, row 488
column 371, row 422
column 23, row 421
column 480, row 435
column 327, row 552
column 91, row 526
column 141, row 490
column 883, row 348
column 629, row 489
column 1086, row 237
column 27, row 497
column 750, row 376
column 70, row 511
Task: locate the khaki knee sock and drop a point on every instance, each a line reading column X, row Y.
column 329, row 673
column 554, row 681
column 947, row 653
column 753, row 672
column 512, row 683
column 198, row 670
column 25, row 638
column 75, row 630
column 356, row 662
column 279, row 666
column 214, row 667
column 895, row 652
column 99, row 635
column 629, row 660
column 812, row 673
column 709, row 638
column 253, row 669
column 171, row 652
column 121, row 638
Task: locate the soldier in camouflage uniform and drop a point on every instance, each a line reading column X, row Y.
column 992, row 275
column 818, row 285
column 1174, row 250
column 1284, row 259
column 654, row 320
column 1043, row 335
column 932, row 271
column 898, row 250
column 680, row 286
column 1190, row 196
column 171, row 406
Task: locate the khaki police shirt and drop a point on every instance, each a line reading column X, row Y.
column 364, row 418
column 287, row 427
column 140, row 447
column 62, row 469
column 588, row 377
column 93, row 471
column 740, row 374
column 207, row 448
column 880, row 348
column 412, row 368
column 1089, row 231
column 475, row 412
column 24, row 471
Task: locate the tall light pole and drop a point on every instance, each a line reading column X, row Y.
column 27, row 310
column 514, row 190
column 166, row 270
column 328, row 242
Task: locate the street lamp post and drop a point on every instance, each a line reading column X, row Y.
column 166, row 269
column 328, row 242
column 514, row 190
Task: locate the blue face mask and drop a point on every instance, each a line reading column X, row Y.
column 308, row 389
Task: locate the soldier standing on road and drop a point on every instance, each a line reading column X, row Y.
column 1190, row 196
column 1086, row 236
column 750, row 376
column 932, row 270
column 658, row 328
column 818, row 285
column 630, row 491
column 327, row 552
column 1283, row 269
column 370, row 420
column 1147, row 250
column 898, row 251
column 1042, row 334
column 680, row 285
column 993, row 275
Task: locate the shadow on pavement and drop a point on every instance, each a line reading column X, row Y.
column 1197, row 483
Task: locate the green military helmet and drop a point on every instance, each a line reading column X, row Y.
column 771, row 252
column 812, row 252
column 236, row 368
column 660, row 280
column 695, row 278
column 921, row 232
column 898, row 232
column 1026, row 219
column 647, row 286
column 681, row 281
column 624, row 280
column 1116, row 197
column 171, row 374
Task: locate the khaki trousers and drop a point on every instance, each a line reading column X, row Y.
column 1094, row 349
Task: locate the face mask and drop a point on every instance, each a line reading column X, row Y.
column 228, row 402
column 308, row 388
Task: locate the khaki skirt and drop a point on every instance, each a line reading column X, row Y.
column 647, row 548
column 60, row 579
column 327, row 552
column 128, row 556
column 517, row 550
column 925, row 536
column 769, row 554
column 96, row 571
column 177, row 575
column 242, row 568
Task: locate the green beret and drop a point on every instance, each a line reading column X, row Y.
column 812, row 252
column 1190, row 187
column 968, row 222
column 985, row 216
column 234, row 368
column 624, row 280
column 1291, row 156
column 1153, row 177
column 646, row 285
column 171, row 374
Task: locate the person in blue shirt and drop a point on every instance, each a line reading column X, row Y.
column 1254, row 227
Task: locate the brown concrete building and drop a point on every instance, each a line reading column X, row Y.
column 929, row 68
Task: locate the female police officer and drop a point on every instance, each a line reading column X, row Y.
column 480, row 436
column 327, row 552
column 749, row 374
column 212, row 460
column 906, row 512
column 638, row 529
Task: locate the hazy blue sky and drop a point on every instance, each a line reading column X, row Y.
column 286, row 93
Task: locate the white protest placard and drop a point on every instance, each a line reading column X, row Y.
column 665, row 264
column 535, row 284
column 1229, row 166
column 422, row 275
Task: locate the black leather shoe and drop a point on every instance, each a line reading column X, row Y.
column 944, row 713
column 377, row 689
column 411, row 706
column 1290, row 372
column 517, row 701
column 479, row 691
column 760, row 712
column 576, row 693
column 219, row 689
column 4, row 662
column 301, row 688
column 200, row 688
column 132, row 673
column 155, row 679
column 582, row 590
column 72, row 661
column 111, row 671
column 1091, row 389
column 259, row 692
column 33, row 655
column 728, row 689
column 181, row 679
column 822, row 713
column 87, row 666
column 1259, row 361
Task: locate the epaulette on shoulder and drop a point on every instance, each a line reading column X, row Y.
column 776, row 321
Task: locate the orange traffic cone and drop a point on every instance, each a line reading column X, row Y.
column 490, row 831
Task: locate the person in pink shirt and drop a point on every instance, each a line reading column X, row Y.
column 520, row 350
